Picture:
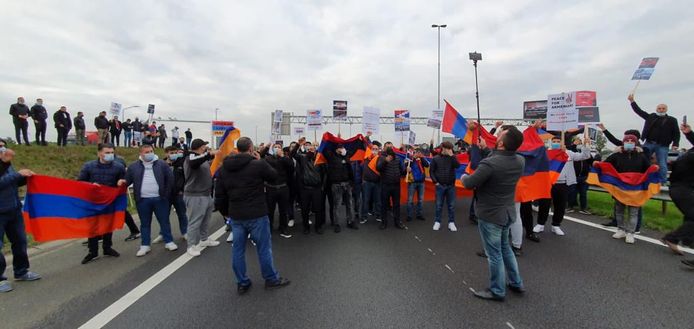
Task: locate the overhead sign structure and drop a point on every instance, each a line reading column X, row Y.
column 314, row 120
column 561, row 112
column 534, row 110
column 645, row 69
column 435, row 119
column 340, row 110
column 370, row 122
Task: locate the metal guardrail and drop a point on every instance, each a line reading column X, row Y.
column 663, row 196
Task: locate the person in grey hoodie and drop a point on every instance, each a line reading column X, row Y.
column 197, row 195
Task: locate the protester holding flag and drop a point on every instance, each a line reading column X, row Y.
column 197, row 194
column 175, row 159
column 277, row 190
column 578, row 193
column 357, row 187
column 560, row 189
column 371, row 193
column 659, row 132
column 103, row 171
column 495, row 182
column 11, row 221
column 443, row 173
column 129, row 221
column 416, row 173
column 153, row 182
column 391, row 170
column 309, row 180
column 340, row 178
column 682, row 194
column 240, row 195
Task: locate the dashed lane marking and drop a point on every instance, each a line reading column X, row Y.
column 449, row 268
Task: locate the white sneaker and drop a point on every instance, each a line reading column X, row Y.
column 451, row 226
column 619, row 234
column 630, row 238
column 290, row 223
column 158, row 239
column 185, row 236
column 209, row 243
column 230, row 238
column 310, row 222
column 193, row 251
column 171, row 246
column 539, row 228
column 144, row 250
column 557, row 230
column 437, row 226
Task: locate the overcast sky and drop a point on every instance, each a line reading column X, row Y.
column 249, row 58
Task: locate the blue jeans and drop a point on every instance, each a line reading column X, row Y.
column 159, row 207
column 12, row 225
column 259, row 230
column 660, row 155
column 128, row 138
column 447, row 192
column 371, row 192
column 180, row 207
column 580, row 191
column 502, row 261
column 411, row 189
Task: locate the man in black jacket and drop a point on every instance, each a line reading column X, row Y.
column 391, row 169
column 20, row 113
column 340, row 176
column 240, row 195
column 659, row 131
column 102, row 125
column 175, row 159
column 79, row 129
column 39, row 115
column 309, row 182
column 442, row 172
column 371, row 186
column 277, row 191
column 580, row 189
column 127, row 133
column 63, row 124
column 682, row 194
column 115, row 127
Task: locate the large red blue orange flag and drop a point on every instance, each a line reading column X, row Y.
column 56, row 208
column 226, row 147
column 542, row 167
column 632, row 189
column 356, row 146
column 454, row 123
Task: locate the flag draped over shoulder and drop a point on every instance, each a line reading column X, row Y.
column 355, row 146
column 632, row 189
column 454, row 123
column 542, row 167
column 56, row 208
column 226, row 146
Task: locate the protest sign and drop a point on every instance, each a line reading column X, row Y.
column 533, row 110
column 298, row 131
column 277, row 117
column 435, row 119
column 589, row 115
column 115, row 108
column 340, row 110
column 402, row 120
column 561, row 112
column 314, row 120
column 150, row 109
column 585, row 98
column 645, row 69
column 370, row 121
column 413, row 138
column 219, row 127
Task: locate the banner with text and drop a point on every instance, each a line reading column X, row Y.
column 370, row 121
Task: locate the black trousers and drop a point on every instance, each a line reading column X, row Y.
column 40, row 132
column 115, row 138
column 526, row 210
column 131, row 223
column 62, row 136
column 277, row 197
column 312, row 201
column 390, row 193
column 328, row 194
column 683, row 197
column 560, row 196
column 94, row 243
column 21, row 130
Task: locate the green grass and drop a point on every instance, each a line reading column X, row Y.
column 602, row 204
column 64, row 162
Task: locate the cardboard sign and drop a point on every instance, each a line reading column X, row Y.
column 370, row 121
column 115, row 108
column 314, row 120
column 533, row 110
column 340, row 110
column 435, row 119
column 402, row 120
column 645, row 69
column 589, row 115
column 561, row 112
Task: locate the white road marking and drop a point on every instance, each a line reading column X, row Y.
column 639, row 237
column 473, row 290
column 510, row 325
column 431, row 251
column 449, row 268
column 417, row 238
column 465, row 283
column 119, row 306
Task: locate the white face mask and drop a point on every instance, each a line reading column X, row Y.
column 342, row 152
column 661, row 114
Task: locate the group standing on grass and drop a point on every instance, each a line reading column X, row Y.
column 253, row 182
column 135, row 133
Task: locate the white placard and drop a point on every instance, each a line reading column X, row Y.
column 116, row 108
column 413, row 137
column 370, row 121
column 561, row 112
column 435, row 119
column 314, row 120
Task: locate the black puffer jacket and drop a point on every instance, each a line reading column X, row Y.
column 683, row 170
column 284, row 167
column 392, row 171
column 240, row 190
column 101, row 123
column 339, row 168
column 442, row 169
column 368, row 174
column 632, row 161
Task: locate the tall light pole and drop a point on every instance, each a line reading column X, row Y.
column 216, row 110
column 438, row 97
column 125, row 108
column 474, row 57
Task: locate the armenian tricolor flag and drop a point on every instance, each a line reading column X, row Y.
column 454, row 123
column 226, row 146
column 56, row 208
column 542, row 167
column 355, row 146
column 632, row 189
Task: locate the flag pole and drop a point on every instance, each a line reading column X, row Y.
column 633, row 91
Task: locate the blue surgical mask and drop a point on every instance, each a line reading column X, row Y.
column 3, row 149
column 149, row 157
column 629, row 146
column 175, row 156
column 660, row 114
column 109, row 157
column 556, row 146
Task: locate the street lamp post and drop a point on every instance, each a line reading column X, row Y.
column 125, row 108
column 474, row 57
column 438, row 97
